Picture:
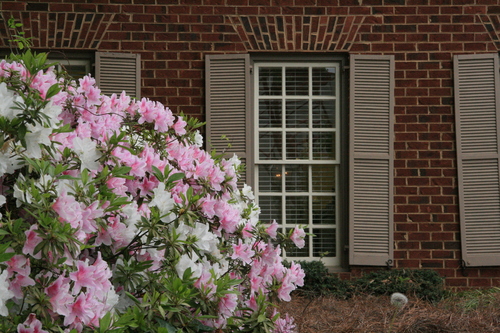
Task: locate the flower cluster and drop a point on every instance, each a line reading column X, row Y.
column 113, row 216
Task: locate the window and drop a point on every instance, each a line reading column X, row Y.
column 282, row 120
column 75, row 67
column 297, row 155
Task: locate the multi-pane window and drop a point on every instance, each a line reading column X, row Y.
column 297, row 155
column 76, row 68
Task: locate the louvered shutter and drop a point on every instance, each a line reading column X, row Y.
column 228, row 103
column 477, row 115
column 371, row 155
column 116, row 72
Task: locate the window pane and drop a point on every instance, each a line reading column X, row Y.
column 295, row 251
column 270, row 81
column 324, row 210
column 297, row 81
column 324, row 81
column 323, row 113
column 324, row 242
column 270, row 113
column 77, row 71
column 297, row 113
column 270, row 178
column 270, row 207
column 270, row 145
column 297, row 210
column 323, row 146
column 323, row 178
column 296, row 178
column 297, row 145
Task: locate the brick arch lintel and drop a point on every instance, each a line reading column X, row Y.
column 57, row 30
column 491, row 23
column 297, row 32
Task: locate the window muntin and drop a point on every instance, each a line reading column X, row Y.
column 297, row 155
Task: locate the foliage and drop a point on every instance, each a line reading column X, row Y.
column 319, row 282
column 424, row 284
column 114, row 219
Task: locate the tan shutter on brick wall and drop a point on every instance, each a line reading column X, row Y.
column 477, row 115
column 371, row 155
column 116, row 72
column 228, row 107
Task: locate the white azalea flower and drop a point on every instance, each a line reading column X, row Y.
column 163, row 200
column 21, row 196
column 198, row 139
column 247, row 192
column 5, row 294
column 235, row 160
column 7, row 99
column 35, row 136
column 88, row 153
column 186, row 262
column 52, row 112
column 205, row 240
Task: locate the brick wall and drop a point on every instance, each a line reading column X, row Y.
column 173, row 36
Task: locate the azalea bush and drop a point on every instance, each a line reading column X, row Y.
column 114, row 219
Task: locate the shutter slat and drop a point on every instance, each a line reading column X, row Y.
column 117, row 72
column 371, row 160
column 477, row 116
column 227, row 102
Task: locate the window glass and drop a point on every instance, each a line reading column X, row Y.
column 296, row 156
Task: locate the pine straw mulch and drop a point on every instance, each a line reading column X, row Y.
column 374, row 314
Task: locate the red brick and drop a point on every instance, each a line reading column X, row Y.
column 456, row 282
column 419, row 254
column 480, row 283
column 408, row 264
column 406, row 226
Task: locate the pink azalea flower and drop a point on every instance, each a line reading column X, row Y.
column 272, row 230
column 298, row 236
column 83, row 277
column 243, row 252
column 19, row 268
column 68, row 209
column 80, row 310
column 31, row 325
column 32, row 240
column 59, row 295
column 179, row 126
column 227, row 305
column 247, row 230
column 117, row 186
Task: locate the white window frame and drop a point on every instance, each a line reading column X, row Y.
column 335, row 163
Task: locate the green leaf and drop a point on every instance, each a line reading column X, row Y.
column 105, row 322
column 53, row 90
column 176, row 177
column 163, row 324
column 4, row 232
column 200, row 327
column 6, row 256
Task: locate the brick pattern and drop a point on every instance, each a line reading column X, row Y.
column 278, row 32
column 58, row 30
column 173, row 36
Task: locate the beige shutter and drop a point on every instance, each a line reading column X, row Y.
column 371, row 155
column 228, row 106
column 116, row 72
column 477, row 115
